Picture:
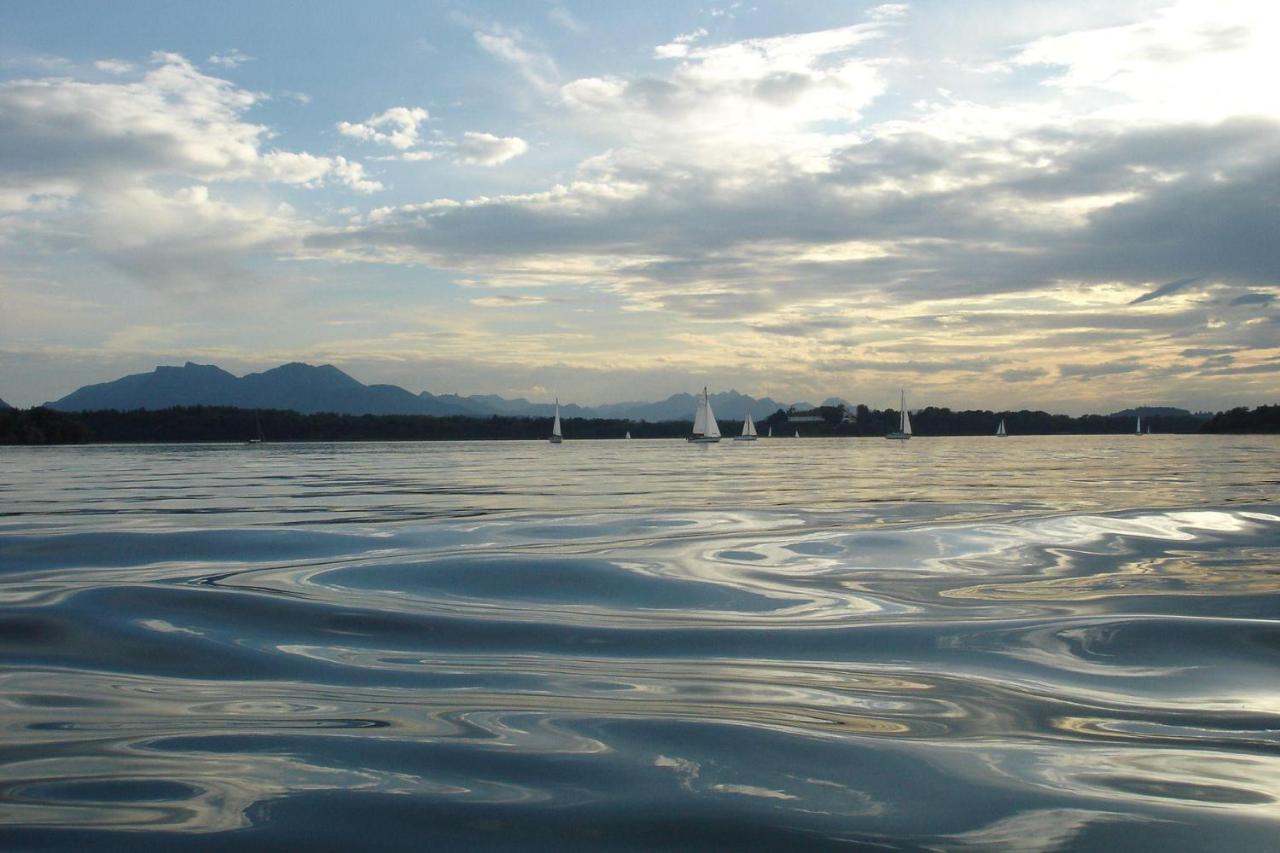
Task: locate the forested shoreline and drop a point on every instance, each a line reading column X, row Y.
column 225, row 424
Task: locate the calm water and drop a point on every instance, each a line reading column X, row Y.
column 1037, row 643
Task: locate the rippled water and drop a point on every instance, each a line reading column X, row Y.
column 1037, row 643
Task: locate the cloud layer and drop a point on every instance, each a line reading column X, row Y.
column 1082, row 214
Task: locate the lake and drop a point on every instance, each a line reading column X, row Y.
column 1034, row 643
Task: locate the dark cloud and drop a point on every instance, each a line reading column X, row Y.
column 1165, row 290
column 1254, row 298
column 1090, row 371
column 1023, row 375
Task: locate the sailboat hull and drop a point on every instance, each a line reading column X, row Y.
column 555, row 439
column 703, row 439
column 898, row 436
column 744, row 438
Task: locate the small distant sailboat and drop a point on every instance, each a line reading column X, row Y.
column 748, row 430
column 1138, row 429
column 1000, row 433
column 257, row 422
column 705, row 428
column 797, row 433
column 628, row 435
column 770, row 432
column 904, row 423
column 556, row 437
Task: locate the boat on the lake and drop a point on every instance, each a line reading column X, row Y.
column 556, row 436
column 257, row 422
column 903, row 432
column 748, row 430
column 1000, row 432
column 705, row 428
column 1138, row 430
column 628, row 435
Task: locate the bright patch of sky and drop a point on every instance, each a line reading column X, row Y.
column 1065, row 206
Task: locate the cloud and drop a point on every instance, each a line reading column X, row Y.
column 1165, row 290
column 397, row 127
column 1254, row 298
column 1092, row 371
column 1188, row 61
column 509, row 301
column 510, row 46
column 485, row 149
column 62, row 136
column 1027, row 375
column 562, row 17
column 114, row 66
column 887, row 11
column 233, row 58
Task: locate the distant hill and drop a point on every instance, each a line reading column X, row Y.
column 1157, row 411
column 310, row 389
column 299, row 387
column 4, row 405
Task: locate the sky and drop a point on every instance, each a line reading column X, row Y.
column 1067, row 206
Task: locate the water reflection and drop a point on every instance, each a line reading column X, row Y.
column 349, row 644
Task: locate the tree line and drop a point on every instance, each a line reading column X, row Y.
column 227, row 424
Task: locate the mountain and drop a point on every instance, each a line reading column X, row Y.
column 299, row 387
column 310, row 389
column 4, row 405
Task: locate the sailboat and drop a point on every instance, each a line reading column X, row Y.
column 705, row 428
column 1000, row 433
column 1138, row 430
column 257, row 423
column 628, row 435
column 748, row 430
column 904, row 424
column 556, row 437
column 770, row 432
column 797, row 433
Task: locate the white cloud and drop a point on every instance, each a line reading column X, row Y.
column 397, row 127
column 485, row 149
column 562, row 17
column 886, row 11
column 510, row 46
column 188, row 240
column 743, row 105
column 1192, row 61
column 679, row 46
column 114, row 66
column 66, row 136
column 233, row 58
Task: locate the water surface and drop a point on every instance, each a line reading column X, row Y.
column 1031, row 643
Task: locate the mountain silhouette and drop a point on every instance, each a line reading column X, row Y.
column 310, row 389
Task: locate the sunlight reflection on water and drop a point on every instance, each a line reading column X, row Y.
column 960, row 642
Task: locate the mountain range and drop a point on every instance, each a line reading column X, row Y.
column 309, row 389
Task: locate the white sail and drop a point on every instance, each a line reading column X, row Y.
column 748, row 426
column 555, row 427
column 713, row 428
column 1138, row 431
column 770, row 432
column 906, row 422
column 1000, row 429
column 628, row 433
column 700, row 415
